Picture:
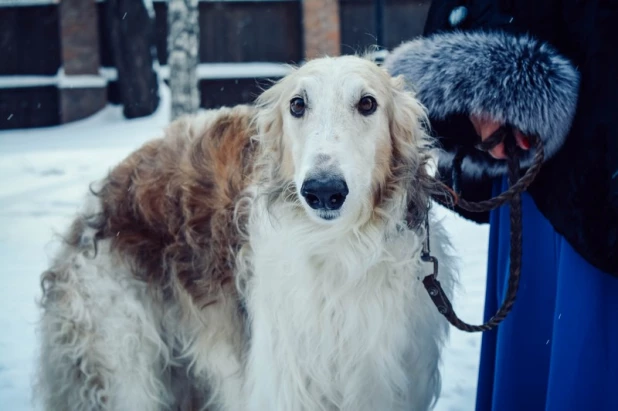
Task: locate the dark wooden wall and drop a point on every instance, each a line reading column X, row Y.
column 242, row 31
column 231, row 32
column 29, row 45
column 29, row 40
column 28, row 107
column 403, row 20
column 229, row 92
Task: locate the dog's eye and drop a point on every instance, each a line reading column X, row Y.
column 367, row 105
column 297, row 107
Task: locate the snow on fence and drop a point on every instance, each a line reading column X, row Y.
column 205, row 71
column 25, row 3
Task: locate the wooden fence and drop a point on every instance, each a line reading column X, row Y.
column 255, row 37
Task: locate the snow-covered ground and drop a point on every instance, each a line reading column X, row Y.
column 44, row 174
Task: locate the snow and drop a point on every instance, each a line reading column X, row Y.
column 60, row 79
column 209, row 71
column 150, row 8
column 44, row 174
column 205, row 71
column 22, row 3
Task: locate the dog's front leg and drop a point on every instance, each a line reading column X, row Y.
column 261, row 372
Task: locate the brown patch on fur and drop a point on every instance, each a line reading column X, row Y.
column 169, row 206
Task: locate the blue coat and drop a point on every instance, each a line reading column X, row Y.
column 558, row 349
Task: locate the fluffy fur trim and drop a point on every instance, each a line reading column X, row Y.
column 516, row 80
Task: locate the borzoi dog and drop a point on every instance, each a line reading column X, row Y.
column 260, row 257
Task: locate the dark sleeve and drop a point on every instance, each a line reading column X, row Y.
column 437, row 17
column 587, row 36
column 471, row 190
column 455, row 74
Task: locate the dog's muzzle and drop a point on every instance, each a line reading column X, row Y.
column 324, row 194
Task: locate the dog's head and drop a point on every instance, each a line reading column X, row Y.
column 340, row 135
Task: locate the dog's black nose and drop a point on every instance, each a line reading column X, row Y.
column 326, row 194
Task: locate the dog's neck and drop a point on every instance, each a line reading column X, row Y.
column 370, row 236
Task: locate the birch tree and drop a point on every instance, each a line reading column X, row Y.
column 183, row 47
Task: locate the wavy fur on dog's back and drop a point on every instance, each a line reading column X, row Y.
column 170, row 205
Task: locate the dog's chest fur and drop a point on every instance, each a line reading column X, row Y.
column 333, row 322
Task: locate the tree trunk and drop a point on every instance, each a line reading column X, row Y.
column 182, row 60
column 131, row 38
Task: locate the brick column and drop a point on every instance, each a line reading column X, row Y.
column 82, row 91
column 80, row 37
column 321, row 28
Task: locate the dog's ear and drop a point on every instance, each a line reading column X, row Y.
column 410, row 149
column 274, row 156
column 408, row 120
column 270, row 121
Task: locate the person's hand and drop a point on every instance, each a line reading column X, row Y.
column 485, row 127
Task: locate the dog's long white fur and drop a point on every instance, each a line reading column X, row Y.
column 356, row 333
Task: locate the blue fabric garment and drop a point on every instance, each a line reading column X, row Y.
column 558, row 349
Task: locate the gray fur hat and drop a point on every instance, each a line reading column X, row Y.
column 516, row 80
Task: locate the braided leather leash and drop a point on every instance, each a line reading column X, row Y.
column 513, row 197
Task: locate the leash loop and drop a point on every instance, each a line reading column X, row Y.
column 512, row 196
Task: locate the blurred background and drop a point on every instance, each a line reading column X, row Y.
column 61, row 61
